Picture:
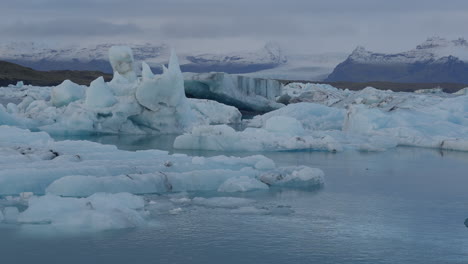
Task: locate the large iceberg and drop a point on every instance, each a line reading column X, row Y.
column 127, row 104
column 321, row 117
column 245, row 93
column 43, row 175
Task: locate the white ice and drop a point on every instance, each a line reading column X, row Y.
column 86, row 185
column 321, row 117
column 100, row 211
column 126, row 105
column 66, row 92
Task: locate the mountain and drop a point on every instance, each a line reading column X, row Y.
column 435, row 60
column 41, row 57
column 93, row 58
column 11, row 73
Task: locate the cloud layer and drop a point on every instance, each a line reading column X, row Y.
column 299, row 25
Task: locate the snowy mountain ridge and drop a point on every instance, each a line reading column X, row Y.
column 437, row 60
column 433, row 49
column 94, row 57
column 35, row 51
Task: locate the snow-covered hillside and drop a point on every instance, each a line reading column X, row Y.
column 94, row 57
column 270, row 61
column 432, row 49
column 435, row 60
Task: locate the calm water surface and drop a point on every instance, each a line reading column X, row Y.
column 405, row 205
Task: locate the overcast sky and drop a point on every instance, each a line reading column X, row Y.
column 309, row 26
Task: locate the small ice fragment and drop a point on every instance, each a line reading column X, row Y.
column 242, row 184
column 175, row 211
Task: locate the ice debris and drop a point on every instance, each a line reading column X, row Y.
column 85, row 185
column 325, row 118
column 127, row 104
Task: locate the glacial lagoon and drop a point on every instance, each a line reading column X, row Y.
column 403, row 205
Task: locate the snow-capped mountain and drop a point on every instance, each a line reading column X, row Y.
column 268, row 57
column 42, row 57
column 435, row 60
column 95, row 57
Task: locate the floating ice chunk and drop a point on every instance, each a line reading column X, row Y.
column 159, row 182
column 98, row 95
column 222, row 202
column 243, row 92
column 12, row 108
column 284, row 124
column 429, row 91
column 311, row 116
column 66, row 92
column 121, row 60
column 242, row 184
column 198, row 160
column 10, row 214
column 175, row 211
column 126, row 105
column 98, row 212
column 81, row 168
column 11, row 120
column 265, row 164
column 87, row 185
column 434, row 128
column 123, row 87
column 225, row 138
column 146, row 72
column 463, row 91
column 454, row 144
column 13, row 136
column 26, row 195
column 302, row 177
column 166, row 90
column 215, row 112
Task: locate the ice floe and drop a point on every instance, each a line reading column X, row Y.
column 321, row 117
column 127, row 104
column 86, row 185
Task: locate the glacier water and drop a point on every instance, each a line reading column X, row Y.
column 405, row 205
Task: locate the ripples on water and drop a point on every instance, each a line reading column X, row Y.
column 405, row 205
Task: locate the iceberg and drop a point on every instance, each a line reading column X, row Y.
column 151, row 104
column 66, row 92
column 122, row 62
column 323, row 118
column 97, row 212
column 225, row 138
column 81, row 185
column 241, row 184
column 245, row 93
column 33, row 162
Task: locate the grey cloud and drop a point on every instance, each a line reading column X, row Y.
column 69, row 27
column 263, row 26
column 318, row 25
